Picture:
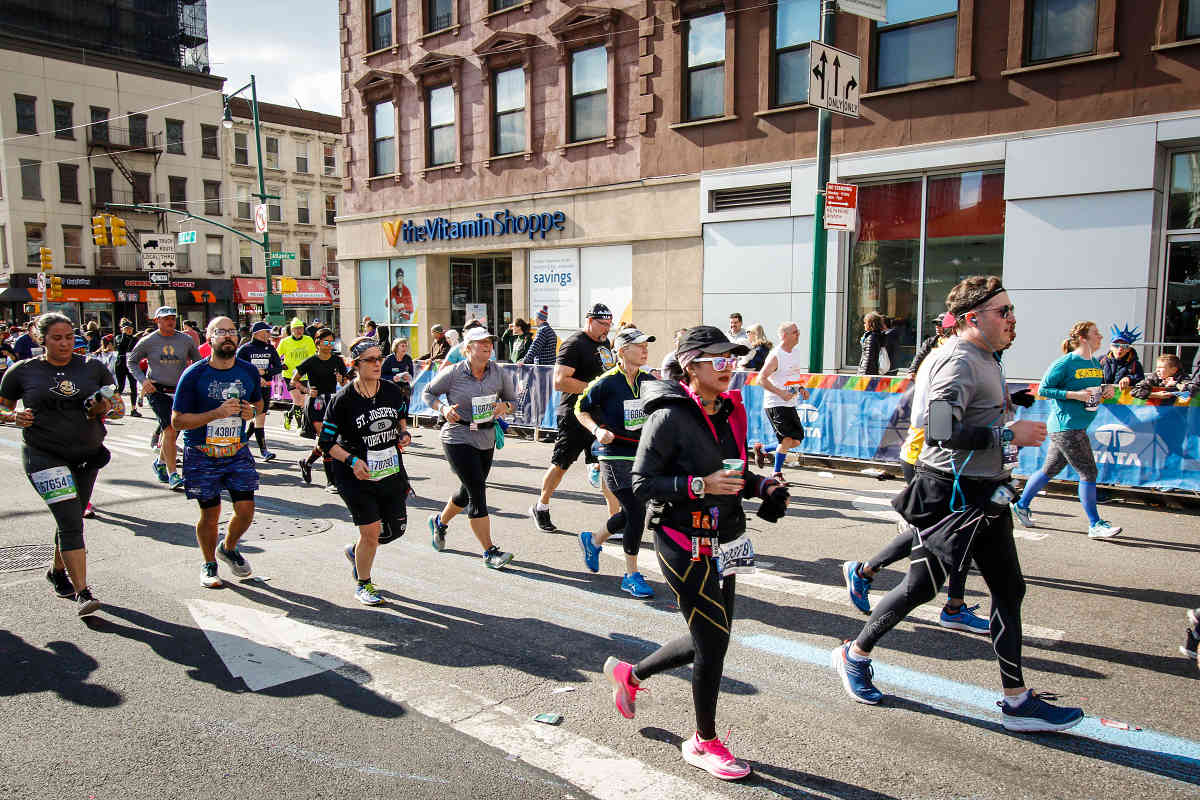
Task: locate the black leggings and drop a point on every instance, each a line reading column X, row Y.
column 995, row 554
column 471, row 466
column 123, row 374
column 707, row 605
column 901, row 547
column 68, row 514
column 630, row 520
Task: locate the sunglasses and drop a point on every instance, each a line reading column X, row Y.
column 224, row 332
column 370, row 360
column 720, row 363
column 1004, row 311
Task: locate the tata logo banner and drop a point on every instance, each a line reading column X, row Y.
column 502, row 223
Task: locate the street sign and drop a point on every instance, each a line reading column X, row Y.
column 872, row 9
column 41, row 279
column 187, row 237
column 833, row 79
column 158, row 253
column 260, row 218
column 289, row 255
column 160, row 278
column 841, row 206
column 274, row 262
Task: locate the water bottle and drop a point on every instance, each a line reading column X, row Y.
column 103, row 393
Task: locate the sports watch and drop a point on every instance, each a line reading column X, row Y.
column 697, row 486
column 1006, row 436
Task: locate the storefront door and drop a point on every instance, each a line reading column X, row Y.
column 476, row 283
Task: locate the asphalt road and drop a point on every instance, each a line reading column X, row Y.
column 285, row 686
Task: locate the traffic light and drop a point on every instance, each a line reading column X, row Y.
column 99, row 232
column 46, row 258
column 56, row 290
column 118, row 232
column 288, row 285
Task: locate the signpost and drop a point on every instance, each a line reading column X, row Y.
column 160, row 278
column 833, row 79
column 872, row 9
column 841, row 206
column 274, row 262
column 187, row 237
column 158, row 254
column 282, row 254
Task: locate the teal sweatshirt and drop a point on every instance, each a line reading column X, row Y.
column 1069, row 374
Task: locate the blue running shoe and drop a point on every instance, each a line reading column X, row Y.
column 176, row 482
column 858, row 585
column 591, row 552
column 636, row 585
column 160, row 470
column 965, row 619
column 594, row 475
column 349, row 551
column 437, row 533
column 1035, row 714
column 856, row 676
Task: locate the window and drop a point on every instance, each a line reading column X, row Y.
column 243, row 201
column 72, row 255
column 1189, row 19
column 509, row 119
column 35, row 240
column 1061, row 28
column 175, row 136
column 440, row 15
column 301, row 156
column 302, row 207
column 141, row 187
column 272, row 153
column 4, row 248
column 331, row 263
column 212, row 198
column 64, row 120
column 26, row 114
column 917, row 44
column 31, row 179
column 589, row 94
column 330, row 208
column 212, row 253
column 383, row 138
column 245, row 257
column 500, row 5
column 330, row 155
column 705, row 76
column 178, row 189
column 381, row 24
column 208, row 141
column 442, row 145
column 796, row 24
column 99, row 127
column 103, row 188
column 68, row 183
column 183, row 257
column 1182, row 313
column 305, row 259
column 897, row 274
column 241, row 150
column 137, row 130
column 274, row 205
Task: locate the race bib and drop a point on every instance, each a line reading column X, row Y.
column 483, row 408
column 736, row 557
column 382, row 463
column 635, row 414
column 54, row 485
column 1011, row 453
column 223, row 437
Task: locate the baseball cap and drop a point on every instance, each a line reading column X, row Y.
column 631, row 336
column 477, row 334
column 276, row 330
column 259, row 326
column 599, row 311
column 80, row 343
column 296, row 323
column 707, row 339
column 166, row 311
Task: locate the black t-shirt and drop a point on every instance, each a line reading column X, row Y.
column 56, row 396
column 361, row 424
column 322, row 375
column 589, row 358
column 393, row 366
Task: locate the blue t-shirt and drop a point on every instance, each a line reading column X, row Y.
column 616, row 404
column 1069, row 374
column 203, row 387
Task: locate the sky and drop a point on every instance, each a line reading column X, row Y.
column 290, row 47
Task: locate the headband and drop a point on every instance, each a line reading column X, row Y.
column 357, row 350
column 980, row 301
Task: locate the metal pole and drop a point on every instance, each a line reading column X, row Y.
column 273, row 314
column 816, row 330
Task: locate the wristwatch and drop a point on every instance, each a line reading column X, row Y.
column 697, row 486
column 1006, row 436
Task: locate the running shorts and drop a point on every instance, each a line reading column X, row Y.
column 160, row 403
column 373, row 501
column 786, row 422
column 314, row 412
column 204, row 477
column 572, row 440
column 618, row 475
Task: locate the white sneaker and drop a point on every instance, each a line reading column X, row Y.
column 1023, row 515
column 1103, row 530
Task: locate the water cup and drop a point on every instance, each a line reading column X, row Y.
column 1093, row 401
column 732, row 465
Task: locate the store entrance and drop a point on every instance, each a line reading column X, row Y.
column 481, row 287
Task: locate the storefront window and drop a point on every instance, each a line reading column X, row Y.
column 387, row 293
column 1181, row 316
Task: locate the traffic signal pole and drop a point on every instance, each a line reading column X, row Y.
column 816, row 330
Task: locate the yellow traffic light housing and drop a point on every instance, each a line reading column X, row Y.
column 56, row 290
column 288, row 285
column 99, row 232
column 46, row 258
column 118, row 232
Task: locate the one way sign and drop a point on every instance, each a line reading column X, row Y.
column 833, row 79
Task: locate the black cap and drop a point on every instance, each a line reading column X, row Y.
column 631, row 336
column 599, row 311
column 708, row 339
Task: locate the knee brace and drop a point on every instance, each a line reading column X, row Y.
column 392, row 529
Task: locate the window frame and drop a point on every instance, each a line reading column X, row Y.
column 212, row 205
column 267, row 153
column 32, row 254
column 505, row 52
column 302, row 248
column 143, row 138
column 878, row 31
column 209, row 239
column 246, row 149
column 329, row 161
column 240, row 190
column 301, row 147
column 35, row 165
column 435, row 71
column 102, row 178
column 210, row 141
column 430, row 128
column 148, row 194
column 584, row 28
column 427, row 29
column 497, row 115
column 303, row 210
column 64, row 131
column 245, row 254
column 963, row 56
column 689, row 69
column 683, row 11
column 372, row 15
column 329, row 217
column 175, row 147
column 63, row 171
column 78, row 261
column 98, row 129
column 373, row 167
column 771, row 65
column 275, row 204
column 18, row 100
column 174, row 181
column 572, row 120
column 1020, row 30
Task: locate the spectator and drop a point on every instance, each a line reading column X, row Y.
column 26, row 345
column 737, row 334
column 874, row 350
column 1164, row 382
column 398, row 366
column 440, row 347
column 192, row 329
column 515, row 341
column 670, row 368
column 1121, row 365
column 545, row 344
column 93, row 335
column 760, row 347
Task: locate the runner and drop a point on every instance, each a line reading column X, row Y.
column 1191, row 645
column 325, row 372
column 477, row 392
column 787, row 364
column 581, row 359
column 66, row 397
column 957, row 504
column 264, row 358
column 611, row 408
column 1074, row 386
column 691, row 468
column 214, row 398
column 364, row 433
column 168, row 353
column 294, row 349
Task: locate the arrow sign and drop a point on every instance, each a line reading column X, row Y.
column 843, row 99
column 851, row 84
column 819, row 71
column 837, row 68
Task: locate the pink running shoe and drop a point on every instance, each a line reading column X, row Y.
column 715, row 758
column 89, row 512
column 624, row 689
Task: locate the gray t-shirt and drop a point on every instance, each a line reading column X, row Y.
column 472, row 399
column 166, row 357
column 972, row 381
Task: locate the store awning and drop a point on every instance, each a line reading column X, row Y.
column 250, row 291
column 14, row 294
column 80, row 296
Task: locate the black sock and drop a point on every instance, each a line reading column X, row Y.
column 313, row 456
column 260, row 436
column 363, row 581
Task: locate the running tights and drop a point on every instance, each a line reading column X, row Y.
column 995, row 554
column 629, row 521
column 68, row 514
column 901, row 547
column 471, row 466
column 707, row 605
column 122, row 376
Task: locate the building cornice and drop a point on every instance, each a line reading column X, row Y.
column 92, row 58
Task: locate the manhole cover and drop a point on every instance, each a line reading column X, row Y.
column 25, row 556
column 268, row 527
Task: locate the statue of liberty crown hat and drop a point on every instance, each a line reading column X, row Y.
column 1127, row 335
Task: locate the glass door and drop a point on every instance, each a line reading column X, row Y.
column 1181, row 320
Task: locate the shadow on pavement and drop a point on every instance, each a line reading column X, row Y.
column 61, row 668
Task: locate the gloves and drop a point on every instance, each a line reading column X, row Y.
column 1023, row 398
column 774, row 505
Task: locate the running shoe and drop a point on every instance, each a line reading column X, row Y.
column 135, row 413
column 542, row 519
column 367, row 594
column 594, row 475
column 349, row 551
column 238, row 564
column 636, row 585
column 154, row 438
column 590, row 550
column 965, row 619
column 1103, row 530
column 267, row 455
column 1035, row 714
column 332, row 489
column 287, row 419
column 89, row 512
column 760, row 456
column 620, row 674
column 437, row 533
column 495, row 558
column 1023, row 515
column 208, row 577
column 1189, row 648
column 176, row 482
column 856, row 676
column 61, row 584
column 160, row 470
column 714, row 758
column 87, row 604
column 858, row 586
column 305, row 470
column 779, row 477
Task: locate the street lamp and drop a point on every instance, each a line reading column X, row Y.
column 227, row 119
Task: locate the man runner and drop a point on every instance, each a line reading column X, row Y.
column 168, row 353
column 293, row 350
column 264, row 358
column 212, row 400
column 783, row 365
column 325, row 372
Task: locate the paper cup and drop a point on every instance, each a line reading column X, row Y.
column 733, row 464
